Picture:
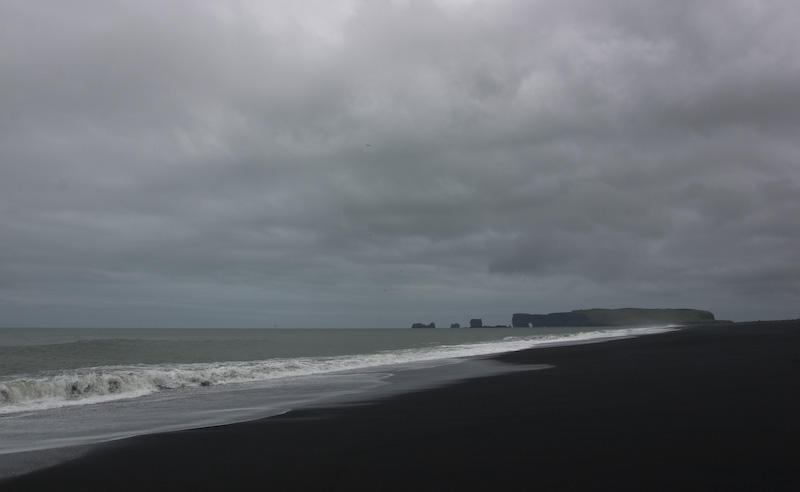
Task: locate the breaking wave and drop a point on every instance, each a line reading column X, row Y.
column 106, row 383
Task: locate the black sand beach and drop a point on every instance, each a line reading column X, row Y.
column 705, row 408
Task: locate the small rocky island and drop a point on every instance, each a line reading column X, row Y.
column 422, row 325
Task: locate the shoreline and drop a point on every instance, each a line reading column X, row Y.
column 707, row 407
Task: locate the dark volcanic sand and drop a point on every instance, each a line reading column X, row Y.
column 706, row 408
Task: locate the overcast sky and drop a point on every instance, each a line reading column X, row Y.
column 378, row 163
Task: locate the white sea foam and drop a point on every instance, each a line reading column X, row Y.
column 109, row 383
column 50, row 417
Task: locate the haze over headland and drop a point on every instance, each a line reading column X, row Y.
column 355, row 163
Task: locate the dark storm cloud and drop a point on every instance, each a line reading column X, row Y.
column 357, row 163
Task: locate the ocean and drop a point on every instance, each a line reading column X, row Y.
column 62, row 389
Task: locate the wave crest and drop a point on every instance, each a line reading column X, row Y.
column 98, row 384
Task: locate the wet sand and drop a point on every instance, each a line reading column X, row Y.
column 704, row 408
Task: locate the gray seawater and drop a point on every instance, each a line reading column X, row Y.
column 63, row 389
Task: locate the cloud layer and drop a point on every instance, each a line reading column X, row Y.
column 357, row 163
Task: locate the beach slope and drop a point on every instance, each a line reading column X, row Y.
column 703, row 408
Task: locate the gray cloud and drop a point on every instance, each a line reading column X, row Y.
column 378, row 163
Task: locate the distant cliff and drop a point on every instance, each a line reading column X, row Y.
column 615, row 317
